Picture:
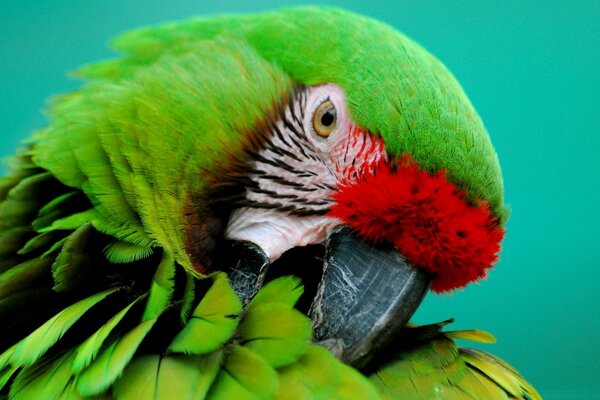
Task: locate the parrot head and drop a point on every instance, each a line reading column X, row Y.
column 377, row 155
column 272, row 133
column 390, row 228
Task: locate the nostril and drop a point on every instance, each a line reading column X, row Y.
column 304, row 262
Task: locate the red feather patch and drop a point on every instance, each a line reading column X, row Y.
column 426, row 217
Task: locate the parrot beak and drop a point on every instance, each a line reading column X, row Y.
column 367, row 294
column 246, row 265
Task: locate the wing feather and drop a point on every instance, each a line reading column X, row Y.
column 431, row 365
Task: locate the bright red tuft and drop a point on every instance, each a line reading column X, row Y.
column 427, row 218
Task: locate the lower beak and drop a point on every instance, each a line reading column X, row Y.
column 246, row 266
column 366, row 296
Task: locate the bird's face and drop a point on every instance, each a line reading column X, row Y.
column 313, row 176
column 305, row 155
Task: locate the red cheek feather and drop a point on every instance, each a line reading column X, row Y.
column 426, row 217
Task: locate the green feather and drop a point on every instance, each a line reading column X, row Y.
column 162, row 288
column 20, row 167
column 472, row 335
column 432, row 366
column 354, row 386
column 73, row 260
column 72, row 222
column 41, row 241
column 156, row 377
column 5, row 357
column 24, row 276
column 436, row 355
column 271, row 327
column 504, row 378
column 57, row 203
column 479, row 386
column 472, row 388
column 119, row 252
column 94, row 162
column 317, row 375
column 56, row 246
column 56, row 208
column 37, row 343
column 292, row 387
column 6, row 374
column 148, row 132
column 137, row 144
column 276, row 332
column 189, row 295
column 12, row 239
column 17, row 213
column 213, row 321
column 31, row 187
column 244, row 376
column 401, row 92
column 105, row 370
column 23, row 308
column 47, row 380
column 285, row 290
column 87, row 351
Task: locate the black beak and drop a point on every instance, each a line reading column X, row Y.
column 246, row 265
column 365, row 296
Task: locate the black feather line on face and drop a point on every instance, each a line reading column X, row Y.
column 272, row 174
column 267, row 174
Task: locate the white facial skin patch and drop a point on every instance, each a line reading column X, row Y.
column 275, row 232
column 296, row 171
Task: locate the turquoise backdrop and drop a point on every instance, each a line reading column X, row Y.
column 532, row 69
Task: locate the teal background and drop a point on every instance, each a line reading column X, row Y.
column 532, row 69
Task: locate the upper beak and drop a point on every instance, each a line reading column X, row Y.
column 366, row 294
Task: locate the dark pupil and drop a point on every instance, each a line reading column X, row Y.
column 328, row 117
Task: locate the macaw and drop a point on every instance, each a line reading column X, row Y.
column 251, row 207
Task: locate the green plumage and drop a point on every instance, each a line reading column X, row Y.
column 119, row 341
column 141, row 122
column 98, row 293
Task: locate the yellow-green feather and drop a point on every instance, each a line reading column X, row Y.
column 183, row 97
column 212, row 322
column 434, row 367
column 169, row 126
column 400, row 90
column 166, row 115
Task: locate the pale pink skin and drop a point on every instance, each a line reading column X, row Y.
column 342, row 157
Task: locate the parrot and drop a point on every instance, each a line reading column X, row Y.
column 251, row 206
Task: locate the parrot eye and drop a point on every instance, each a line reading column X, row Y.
column 324, row 119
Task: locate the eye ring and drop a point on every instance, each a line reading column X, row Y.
column 324, row 119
